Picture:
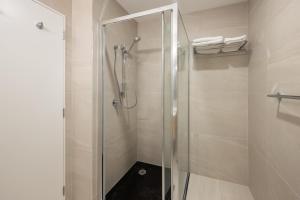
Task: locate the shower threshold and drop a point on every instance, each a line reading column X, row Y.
column 142, row 182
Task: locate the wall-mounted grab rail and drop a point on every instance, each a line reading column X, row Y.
column 282, row 96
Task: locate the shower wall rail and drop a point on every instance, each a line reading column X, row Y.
column 280, row 96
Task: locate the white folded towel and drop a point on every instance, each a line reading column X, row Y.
column 234, row 44
column 208, row 41
column 235, row 40
column 205, row 39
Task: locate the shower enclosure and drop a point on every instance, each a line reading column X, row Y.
column 145, row 104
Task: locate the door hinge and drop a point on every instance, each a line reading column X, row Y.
column 64, row 35
column 64, row 112
column 64, row 190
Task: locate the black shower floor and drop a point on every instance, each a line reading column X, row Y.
column 134, row 186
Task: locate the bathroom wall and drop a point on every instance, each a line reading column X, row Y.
column 82, row 105
column 274, row 129
column 149, row 77
column 219, row 98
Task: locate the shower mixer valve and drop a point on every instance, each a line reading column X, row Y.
column 116, row 103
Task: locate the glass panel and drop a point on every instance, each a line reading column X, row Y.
column 182, row 143
column 167, row 102
column 137, row 109
column 119, row 105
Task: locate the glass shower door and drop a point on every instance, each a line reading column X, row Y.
column 176, row 109
column 182, row 142
column 123, row 176
column 167, row 105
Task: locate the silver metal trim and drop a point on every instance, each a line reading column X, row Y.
column 140, row 14
column 163, row 101
column 174, row 28
column 186, row 186
column 189, row 107
column 184, row 27
column 280, row 96
column 102, row 110
column 97, row 111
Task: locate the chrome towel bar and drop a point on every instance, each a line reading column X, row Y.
column 282, row 96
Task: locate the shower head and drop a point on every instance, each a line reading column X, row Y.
column 135, row 40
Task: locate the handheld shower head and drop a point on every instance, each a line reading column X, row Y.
column 135, row 40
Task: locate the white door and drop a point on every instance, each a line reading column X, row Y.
column 31, row 102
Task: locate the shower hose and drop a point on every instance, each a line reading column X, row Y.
column 122, row 95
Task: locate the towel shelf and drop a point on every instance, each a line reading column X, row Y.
column 221, row 54
column 241, row 51
column 281, row 96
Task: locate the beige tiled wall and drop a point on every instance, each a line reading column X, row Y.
column 274, row 129
column 81, row 112
column 149, row 113
column 219, row 98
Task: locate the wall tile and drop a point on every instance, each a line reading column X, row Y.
column 273, row 127
column 212, row 156
column 219, row 98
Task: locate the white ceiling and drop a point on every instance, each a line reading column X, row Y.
column 186, row 6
